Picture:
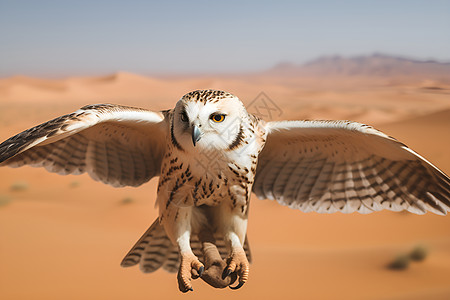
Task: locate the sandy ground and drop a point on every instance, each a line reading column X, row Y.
column 63, row 237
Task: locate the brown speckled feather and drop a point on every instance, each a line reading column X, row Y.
column 329, row 166
column 118, row 145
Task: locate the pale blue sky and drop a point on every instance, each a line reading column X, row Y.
column 62, row 38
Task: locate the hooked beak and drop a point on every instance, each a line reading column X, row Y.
column 196, row 135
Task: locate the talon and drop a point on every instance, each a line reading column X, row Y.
column 190, row 268
column 239, row 267
column 197, row 269
column 226, row 273
column 233, row 277
column 184, row 285
column 184, row 289
column 240, row 284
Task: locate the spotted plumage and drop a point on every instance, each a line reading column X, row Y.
column 210, row 154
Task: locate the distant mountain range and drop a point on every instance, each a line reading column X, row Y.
column 376, row 65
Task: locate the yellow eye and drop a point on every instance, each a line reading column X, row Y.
column 218, row 118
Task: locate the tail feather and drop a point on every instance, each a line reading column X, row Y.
column 133, row 256
column 155, row 250
column 155, row 254
column 172, row 263
column 150, row 251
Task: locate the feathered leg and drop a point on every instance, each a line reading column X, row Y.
column 179, row 231
column 235, row 228
column 237, row 261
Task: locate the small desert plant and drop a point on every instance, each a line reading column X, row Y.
column 74, row 184
column 127, row 200
column 4, row 200
column 19, row 186
column 418, row 253
column 401, row 262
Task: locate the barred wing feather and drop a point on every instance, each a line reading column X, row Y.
column 329, row 166
column 118, row 145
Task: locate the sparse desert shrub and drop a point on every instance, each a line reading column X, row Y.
column 127, row 200
column 418, row 253
column 75, row 184
column 401, row 262
column 19, row 186
column 4, row 200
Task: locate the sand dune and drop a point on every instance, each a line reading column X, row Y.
column 64, row 237
column 297, row 98
column 428, row 135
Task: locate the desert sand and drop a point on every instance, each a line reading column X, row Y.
column 63, row 237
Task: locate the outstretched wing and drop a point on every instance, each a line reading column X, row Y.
column 329, row 166
column 118, row 145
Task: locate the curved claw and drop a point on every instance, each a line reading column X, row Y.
column 190, row 268
column 200, row 271
column 184, row 290
column 226, row 273
column 240, row 284
column 233, row 278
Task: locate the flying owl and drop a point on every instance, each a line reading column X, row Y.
column 210, row 154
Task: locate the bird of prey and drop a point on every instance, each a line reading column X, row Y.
column 210, row 154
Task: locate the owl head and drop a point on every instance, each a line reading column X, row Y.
column 208, row 119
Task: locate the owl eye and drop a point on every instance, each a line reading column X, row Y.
column 184, row 117
column 218, row 118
